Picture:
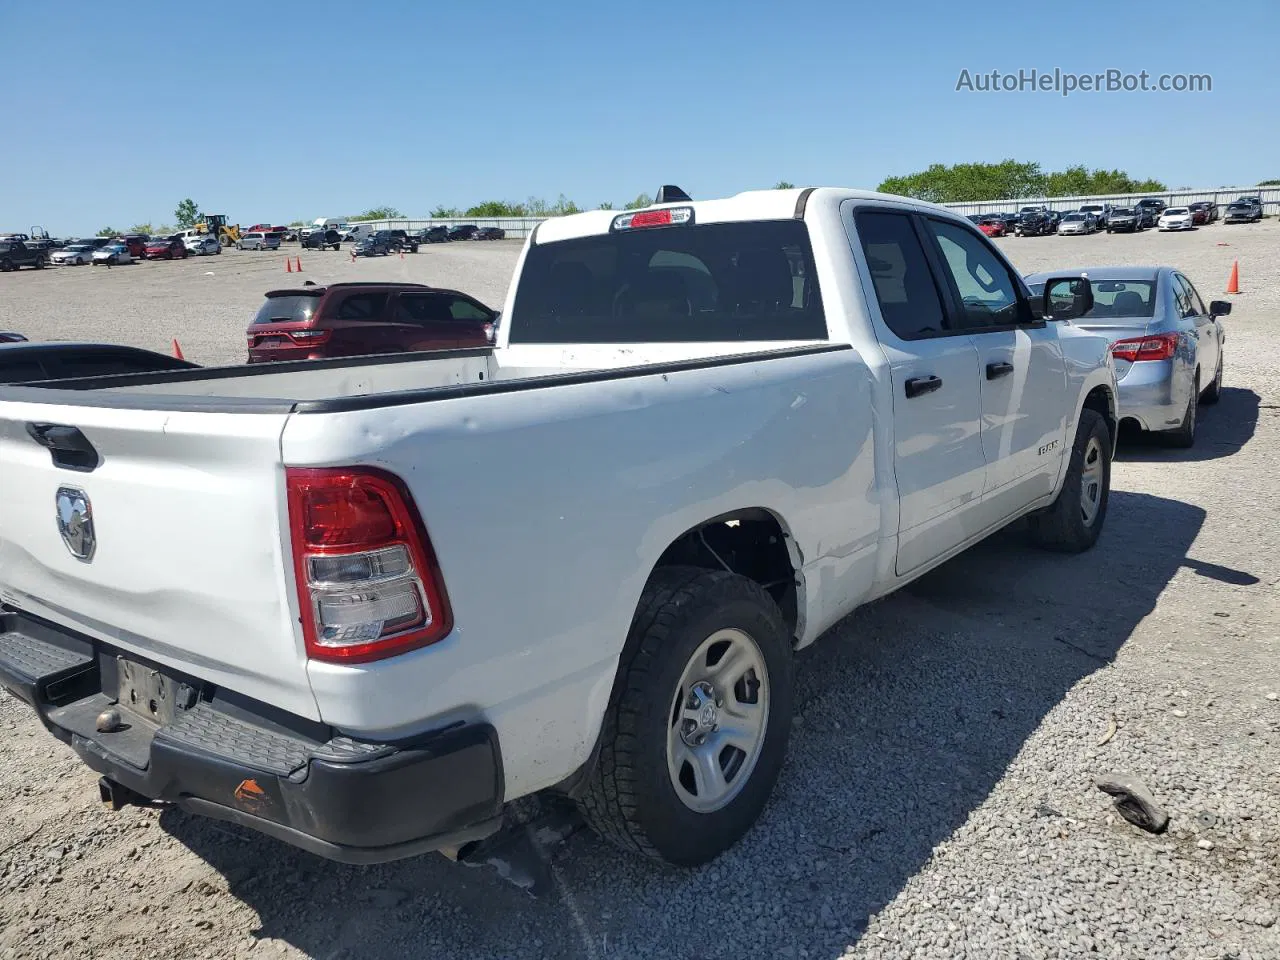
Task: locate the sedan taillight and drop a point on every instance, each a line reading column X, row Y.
column 1161, row 346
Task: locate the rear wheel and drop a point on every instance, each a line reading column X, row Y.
column 697, row 725
column 1074, row 520
column 1213, row 392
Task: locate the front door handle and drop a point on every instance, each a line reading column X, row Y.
column 918, row 386
column 997, row 370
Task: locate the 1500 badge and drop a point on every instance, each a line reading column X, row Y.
column 1051, row 445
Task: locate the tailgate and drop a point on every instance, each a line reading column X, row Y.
column 187, row 565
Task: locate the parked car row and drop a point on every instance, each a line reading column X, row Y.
column 1036, row 220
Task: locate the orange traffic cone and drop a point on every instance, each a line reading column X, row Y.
column 298, row 268
column 177, row 350
column 1233, row 285
column 288, row 265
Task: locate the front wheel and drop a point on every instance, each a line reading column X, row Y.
column 1071, row 524
column 696, row 728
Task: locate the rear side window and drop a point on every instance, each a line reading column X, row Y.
column 904, row 285
column 718, row 282
column 286, row 309
column 20, row 371
column 362, row 306
column 462, row 309
column 102, row 365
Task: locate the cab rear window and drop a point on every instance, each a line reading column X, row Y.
column 719, row 282
column 286, row 309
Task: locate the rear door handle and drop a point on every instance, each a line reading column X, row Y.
column 997, row 370
column 918, row 386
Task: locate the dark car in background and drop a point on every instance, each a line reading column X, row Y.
column 398, row 240
column 1124, row 220
column 355, row 319
column 15, row 254
column 26, row 361
column 436, row 234
column 1149, row 210
column 374, row 245
column 1035, row 223
column 463, row 231
column 489, row 233
column 319, row 239
column 1241, row 211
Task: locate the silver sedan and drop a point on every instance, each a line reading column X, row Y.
column 1166, row 343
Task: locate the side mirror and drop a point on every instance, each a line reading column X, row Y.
column 1219, row 308
column 1067, row 298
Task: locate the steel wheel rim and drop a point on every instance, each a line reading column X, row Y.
column 717, row 720
column 1091, row 481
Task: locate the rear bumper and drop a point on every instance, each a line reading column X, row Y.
column 1147, row 396
column 230, row 758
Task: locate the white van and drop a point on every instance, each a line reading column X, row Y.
column 324, row 223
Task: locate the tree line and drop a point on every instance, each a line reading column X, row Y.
column 1012, row 180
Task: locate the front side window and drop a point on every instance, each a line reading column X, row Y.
column 987, row 290
column 689, row 283
column 1193, row 304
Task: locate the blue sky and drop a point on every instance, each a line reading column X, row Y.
column 283, row 110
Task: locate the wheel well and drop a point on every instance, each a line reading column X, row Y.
column 1100, row 400
column 751, row 543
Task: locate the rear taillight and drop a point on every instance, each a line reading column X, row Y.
column 368, row 583
column 309, row 336
column 1160, row 346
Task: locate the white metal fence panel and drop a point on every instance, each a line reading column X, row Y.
column 518, row 228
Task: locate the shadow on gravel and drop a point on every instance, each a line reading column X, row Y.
column 911, row 712
column 1222, row 430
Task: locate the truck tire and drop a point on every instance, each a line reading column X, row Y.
column 1071, row 524
column 697, row 725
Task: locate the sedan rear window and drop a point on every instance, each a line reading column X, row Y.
column 684, row 284
column 1122, row 299
column 286, row 309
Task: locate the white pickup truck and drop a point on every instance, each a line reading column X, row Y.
column 362, row 604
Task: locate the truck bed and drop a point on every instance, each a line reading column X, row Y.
column 370, row 380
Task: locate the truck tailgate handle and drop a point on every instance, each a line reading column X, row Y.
column 918, row 386
column 69, row 448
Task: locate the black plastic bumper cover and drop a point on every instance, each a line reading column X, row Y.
column 287, row 777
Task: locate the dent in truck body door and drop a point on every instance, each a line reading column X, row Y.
column 937, row 454
column 1024, row 389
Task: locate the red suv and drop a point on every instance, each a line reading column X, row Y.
column 355, row 319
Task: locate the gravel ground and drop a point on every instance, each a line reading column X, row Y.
column 938, row 799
